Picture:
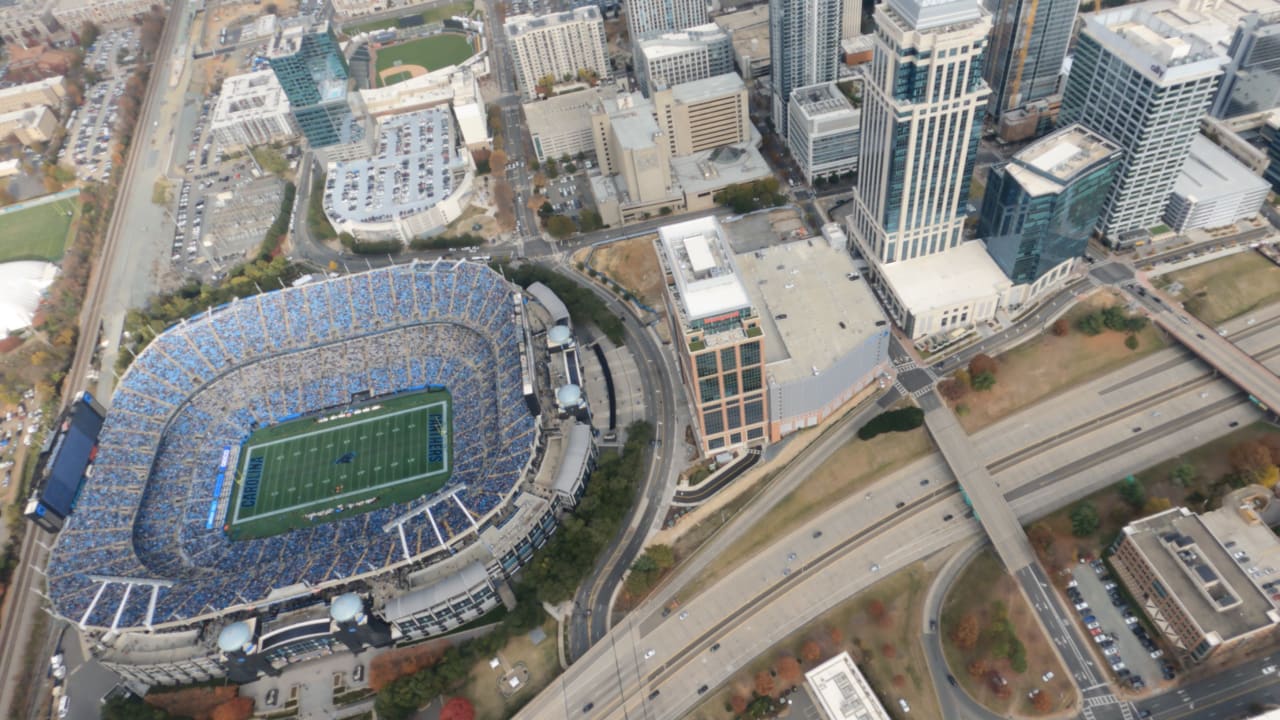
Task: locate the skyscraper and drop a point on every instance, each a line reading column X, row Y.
column 804, row 42
column 1040, row 208
column 313, row 73
column 647, row 18
column 1145, row 85
column 556, row 45
column 921, row 121
column 1252, row 80
column 1028, row 44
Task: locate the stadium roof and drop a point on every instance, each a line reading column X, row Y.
column 437, row 593
column 577, row 453
column 69, row 455
column 548, row 299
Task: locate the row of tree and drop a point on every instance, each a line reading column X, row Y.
column 584, row 305
column 755, row 195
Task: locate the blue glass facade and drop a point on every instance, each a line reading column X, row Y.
column 314, row 78
column 1033, row 224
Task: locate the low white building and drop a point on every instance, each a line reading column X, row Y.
column 840, row 692
column 252, row 110
column 945, row 292
column 73, row 14
column 419, row 180
column 1213, row 190
column 824, row 131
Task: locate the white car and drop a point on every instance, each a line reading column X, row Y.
column 875, row 567
column 902, row 703
column 1047, row 676
column 650, row 653
column 1269, row 670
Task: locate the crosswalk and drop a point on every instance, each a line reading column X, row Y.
column 1105, row 701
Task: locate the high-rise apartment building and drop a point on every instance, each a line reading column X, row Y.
column 717, row 333
column 1029, row 41
column 1251, row 82
column 647, row 18
column 921, row 121
column 1041, row 207
column 682, row 56
column 556, row 45
column 804, row 44
column 313, row 74
column 1140, row 82
column 823, row 131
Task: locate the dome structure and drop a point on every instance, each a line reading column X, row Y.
column 236, row 637
column 559, row 335
column 569, row 396
column 346, row 607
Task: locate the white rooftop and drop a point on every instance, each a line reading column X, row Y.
column 1211, row 172
column 707, row 280
column 946, row 279
column 812, row 302
column 842, row 693
column 708, row 88
column 925, row 14
column 1163, row 52
column 1049, row 164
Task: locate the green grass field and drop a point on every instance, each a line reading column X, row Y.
column 303, row 472
column 431, row 53
column 430, row 15
column 38, row 233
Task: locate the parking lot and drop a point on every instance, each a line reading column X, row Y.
column 90, row 128
column 1119, row 637
column 570, row 194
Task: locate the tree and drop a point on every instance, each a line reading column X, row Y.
column 589, row 220
column 877, row 611
column 982, row 363
column 1132, row 492
column 810, row 651
column 1090, row 324
column 984, row 381
column 738, row 704
column 763, row 683
column 789, row 671
column 88, row 34
column 1040, row 536
column 458, row 708
column 888, row 651
column 965, row 633
column 1156, row 505
column 1135, row 324
column 1041, row 701
column 978, row 668
column 560, row 226
column 1084, row 520
column 1250, row 459
column 1184, row 474
column 952, row 389
column 1269, row 477
column 1061, row 327
column 237, row 708
column 1131, row 342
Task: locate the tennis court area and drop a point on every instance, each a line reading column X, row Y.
column 320, row 469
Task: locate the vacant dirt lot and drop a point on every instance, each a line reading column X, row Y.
column 633, row 264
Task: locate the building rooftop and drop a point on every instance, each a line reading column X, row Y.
column 633, row 123
column 947, row 278
column 248, row 95
column 811, row 309
column 1049, row 164
column 1213, row 22
column 518, row 24
column 565, row 113
column 711, row 170
column 1211, row 172
column 1192, row 564
column 716, row 86
column 926, row 14
column 681, row 41
column 410, row 171
column 707, row 280
column 749, row 30
column 842, row 693
column 443, row 590
column 1158, row 49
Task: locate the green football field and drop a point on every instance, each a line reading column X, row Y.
column 307, row 471
column 37, row 233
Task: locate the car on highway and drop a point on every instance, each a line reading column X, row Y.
column 587, row 708
column 654, row 694
column 684, row 615
column 1269, row 670
column 875, row 567
column 650, row 653
column 702, row 689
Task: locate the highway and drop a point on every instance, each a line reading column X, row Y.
column 893, row 538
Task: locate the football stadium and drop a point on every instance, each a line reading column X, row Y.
column 367, row 449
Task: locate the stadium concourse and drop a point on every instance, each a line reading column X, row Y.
column 143, row 565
